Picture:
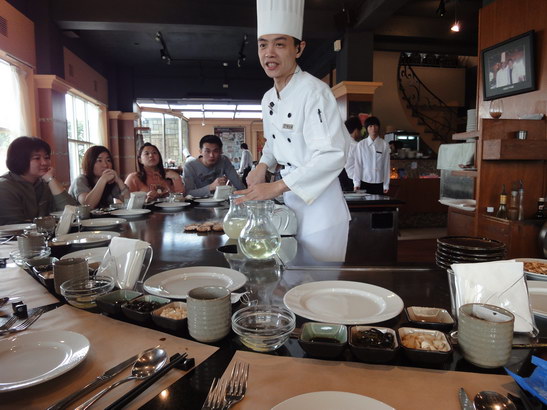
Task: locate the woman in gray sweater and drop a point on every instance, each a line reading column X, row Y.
column 30, row 189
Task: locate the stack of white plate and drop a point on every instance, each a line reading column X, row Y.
column 467, row 249
column 471, row 120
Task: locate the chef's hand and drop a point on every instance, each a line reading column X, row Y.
column 218, row 182
column 263, row 191
column 385, row 191
column 355, row 189
column 257, row 175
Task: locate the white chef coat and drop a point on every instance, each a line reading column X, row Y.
column 305, row 133
column 350, row 160
column 372, row 162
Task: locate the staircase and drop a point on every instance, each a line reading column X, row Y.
column 431, row 117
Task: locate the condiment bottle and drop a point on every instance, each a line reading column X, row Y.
column 541, row 207
column 513, row 210
column 502, row 210
column 521, row 201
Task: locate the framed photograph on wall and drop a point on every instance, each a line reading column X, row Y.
column 508, row 68
column 231, row 137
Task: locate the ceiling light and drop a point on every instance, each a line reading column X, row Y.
column 455, row 27
column 441, row 10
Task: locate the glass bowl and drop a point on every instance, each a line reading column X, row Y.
column 263, row 328
column 82, row 293
column 23, row 262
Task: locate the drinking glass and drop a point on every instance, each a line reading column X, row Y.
column 496, row 109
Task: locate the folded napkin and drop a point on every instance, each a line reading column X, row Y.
column 136, row 200
column 66, row 220
column 499, row 283
column 223, row 191
column 124, row 261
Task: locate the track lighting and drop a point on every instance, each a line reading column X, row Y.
column 441, row 10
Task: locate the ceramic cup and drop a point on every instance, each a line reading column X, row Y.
column 485, row 334
column 66, row 269
column 209, row 313
column 46, row 225
column 31, row 244
column 85, row 211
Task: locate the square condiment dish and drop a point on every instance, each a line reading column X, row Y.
column 139, row 309
column 323, row 340
column 426, row 339
column 112, row 302
column 373, row 344
column 170, row 322
column 430, row 317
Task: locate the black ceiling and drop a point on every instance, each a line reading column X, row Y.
column 205, row 39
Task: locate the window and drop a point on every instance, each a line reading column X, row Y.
column 167, row 132
column 13, row 108
column 83, row 130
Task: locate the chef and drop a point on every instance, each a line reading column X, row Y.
column 305, row 136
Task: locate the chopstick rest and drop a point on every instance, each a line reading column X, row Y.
column 132, row 394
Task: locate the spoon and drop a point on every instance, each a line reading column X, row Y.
column 491, row 400
column 149, row 362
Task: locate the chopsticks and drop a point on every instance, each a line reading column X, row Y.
column 132, row 394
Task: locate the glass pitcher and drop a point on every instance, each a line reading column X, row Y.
column 259, row 239
column 235, row 219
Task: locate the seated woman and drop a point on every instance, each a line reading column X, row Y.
column 30, row 189
column 151, row 176
column 99, row 185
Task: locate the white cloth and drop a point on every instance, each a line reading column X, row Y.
column 499, row 283
column 125, row 262
column 350, row 160
column 280, row 17
column 305, row 133
column 246, row 160
column 371, row 162
column 66, row 220
column 450, row 156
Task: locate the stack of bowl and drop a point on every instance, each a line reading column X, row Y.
column 467, row 249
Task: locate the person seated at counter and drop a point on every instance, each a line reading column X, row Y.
column 355, row 128
column 210, row 170
column 371, row 170
column 152, row 177
column 30, row 188
column 99, row 185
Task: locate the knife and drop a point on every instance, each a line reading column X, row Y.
column 465, row 402
column 109, row 374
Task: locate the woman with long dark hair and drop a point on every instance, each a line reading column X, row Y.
column 30, row 189
column 152, row 177
column 99, row 185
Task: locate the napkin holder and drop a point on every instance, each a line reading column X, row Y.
column 284, row 219
column 66, row 220
column 127, row 261
column 136, row 200
column 223, row 192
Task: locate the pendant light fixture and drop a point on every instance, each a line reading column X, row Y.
column 456, row 26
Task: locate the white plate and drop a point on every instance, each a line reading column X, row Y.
column 102, row 223
column 130, row 213
column 343, row 302
column 533, row 275
column 538, row 297
column 172, row 206
column 208, row 201
column 328, row 400
column 14, row 229
column 92, row 255
column 33, row 358
column 56, row 213
column 90, row 239
column 176, row 283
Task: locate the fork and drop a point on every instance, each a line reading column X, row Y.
column 9, row 323
column 215, row 397
column 237, row 384
column 26, row 324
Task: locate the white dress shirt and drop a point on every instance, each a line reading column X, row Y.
column 246, row 160
column 372, row 162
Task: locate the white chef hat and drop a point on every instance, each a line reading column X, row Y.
column 280, row 17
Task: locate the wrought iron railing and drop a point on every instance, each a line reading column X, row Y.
column 433, row 113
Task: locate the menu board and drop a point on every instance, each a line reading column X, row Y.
column 232, row 138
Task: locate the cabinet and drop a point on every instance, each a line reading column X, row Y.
column 502, row 159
